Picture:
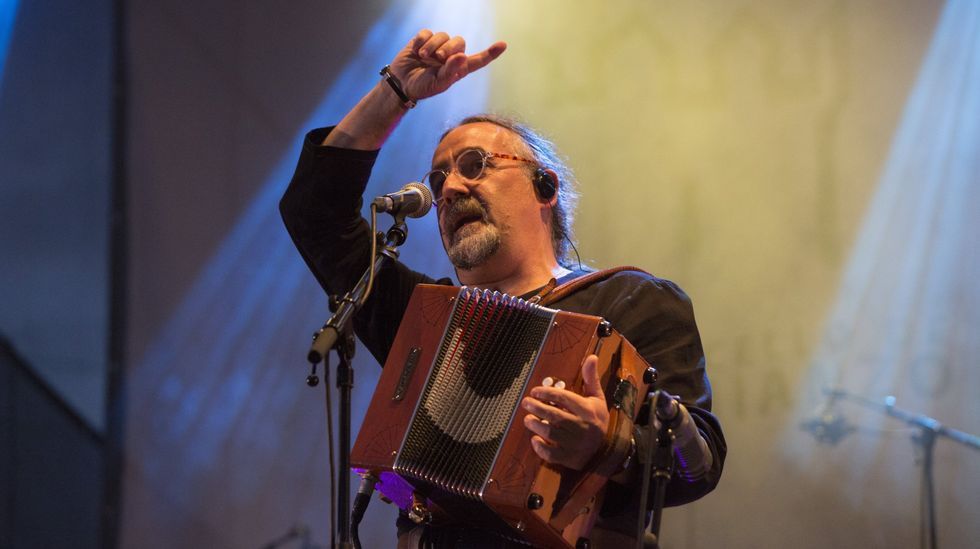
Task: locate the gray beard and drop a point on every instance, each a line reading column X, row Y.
column 472, row 250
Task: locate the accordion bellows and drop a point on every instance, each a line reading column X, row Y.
column 445, row 425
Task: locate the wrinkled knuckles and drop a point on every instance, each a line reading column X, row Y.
column 421, row 38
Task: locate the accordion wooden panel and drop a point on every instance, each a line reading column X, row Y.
column 445, row 422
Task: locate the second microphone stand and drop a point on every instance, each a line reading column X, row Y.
column 337, row 334
column 929, row 430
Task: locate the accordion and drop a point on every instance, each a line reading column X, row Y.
column 444, row 431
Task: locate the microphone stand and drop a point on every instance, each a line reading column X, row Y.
column 663, row 466
column 929, row 430
column 658, row 461
column 337, row 334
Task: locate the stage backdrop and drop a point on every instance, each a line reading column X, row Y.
column 806, row 171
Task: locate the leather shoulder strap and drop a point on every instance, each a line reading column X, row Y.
column 572, row 286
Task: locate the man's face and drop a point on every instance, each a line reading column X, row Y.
column 478, row 217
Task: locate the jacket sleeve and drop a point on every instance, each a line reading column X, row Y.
column 657, row 317
column 321, row 211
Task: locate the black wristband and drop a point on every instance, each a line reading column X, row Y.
column 392, row 81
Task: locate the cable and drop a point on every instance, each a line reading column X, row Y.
column 374, row 254
column 574, row 249
column 361, row 501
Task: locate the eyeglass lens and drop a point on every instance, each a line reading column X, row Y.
column 469, row 165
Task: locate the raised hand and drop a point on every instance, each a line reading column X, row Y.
column 429, row 64
column 568, row 427
column 432, row 62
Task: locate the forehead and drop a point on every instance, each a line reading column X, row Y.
column 483, row 135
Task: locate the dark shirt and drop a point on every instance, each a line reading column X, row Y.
column 321, row 210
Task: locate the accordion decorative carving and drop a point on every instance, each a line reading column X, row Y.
column 445, row 430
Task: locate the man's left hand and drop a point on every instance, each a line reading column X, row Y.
column 568, row 427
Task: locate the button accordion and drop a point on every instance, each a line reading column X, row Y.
column 444, row 432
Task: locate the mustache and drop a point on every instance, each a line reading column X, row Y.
column 462, row 208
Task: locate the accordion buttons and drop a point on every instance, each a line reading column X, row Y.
column 551, row 382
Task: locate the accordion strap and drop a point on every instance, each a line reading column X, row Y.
column 552, row 293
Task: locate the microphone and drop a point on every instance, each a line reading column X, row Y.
column 829, row 427
column 691, row 450
column 413, row 200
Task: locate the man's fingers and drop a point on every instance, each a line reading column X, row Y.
column 453, row 69
column 432, row 44
column 543, row 449
column 538, row 427
column 546, row 412
column 563, row 398
column 479, row 60
column 552, row 453
column 416, row 42
column 590, row 375
column 454, row 45
column 432, row 62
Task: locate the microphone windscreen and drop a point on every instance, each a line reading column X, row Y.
column 426, row 198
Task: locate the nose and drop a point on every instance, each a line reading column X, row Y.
column 454, row 187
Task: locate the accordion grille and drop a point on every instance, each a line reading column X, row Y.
column 485, row 357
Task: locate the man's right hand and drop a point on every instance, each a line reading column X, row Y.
column 432, row 62
column 428, row 65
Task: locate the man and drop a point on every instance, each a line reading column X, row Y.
column 504, row 205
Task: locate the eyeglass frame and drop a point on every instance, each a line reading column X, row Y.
column 484, row 155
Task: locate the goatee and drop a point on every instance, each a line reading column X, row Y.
column 473, row 242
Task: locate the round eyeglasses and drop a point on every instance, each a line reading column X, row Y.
column 470, row 165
